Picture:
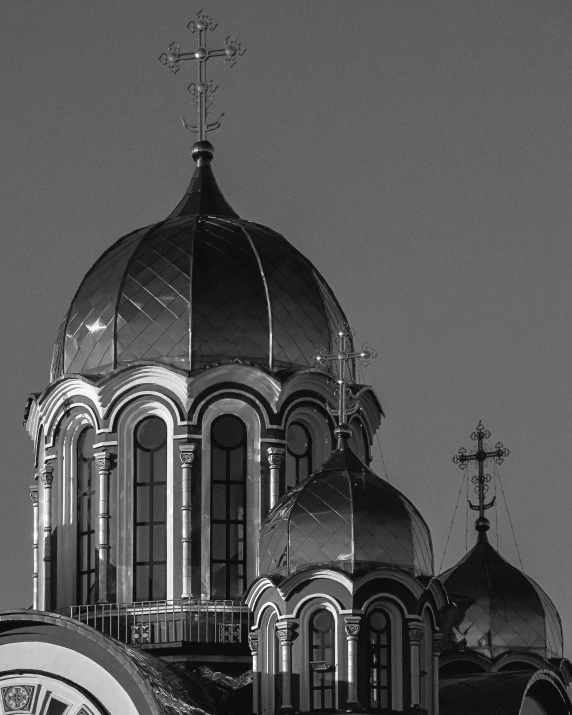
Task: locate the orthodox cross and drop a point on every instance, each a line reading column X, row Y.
column 341, row 358
column 201, row 91
column 481, row 456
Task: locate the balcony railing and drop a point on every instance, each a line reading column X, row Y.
column 156, row 622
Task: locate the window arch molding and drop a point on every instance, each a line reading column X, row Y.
column 65, row 514
column 122, row 508
column 396, row 611
column 427, row 684
column 268, row 658
column 315, row 603
column 240, row 409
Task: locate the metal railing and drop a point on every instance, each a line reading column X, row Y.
column 156, row 622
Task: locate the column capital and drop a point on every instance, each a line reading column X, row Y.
column 352, row 626
column 187, row 453
column 437, row 643
column 415, row 632
column 285, row 632
column 103, row 461
column 276, row 456
column 47, row 475
column 34, row 496
column 253, row 642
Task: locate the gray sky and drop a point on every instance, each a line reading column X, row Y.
column 419, row 153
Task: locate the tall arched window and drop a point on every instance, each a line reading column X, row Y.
column 86, row 515
column 228, row 507
column 298, row 454
column 379, row 659
column 322, row 660
column 150, row 507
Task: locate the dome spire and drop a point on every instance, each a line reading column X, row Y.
column 344, row 379
column 481, row 456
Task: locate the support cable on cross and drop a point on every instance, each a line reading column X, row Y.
column 343, row 360
column 481, row 481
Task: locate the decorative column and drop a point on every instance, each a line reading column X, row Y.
column 285, row 635
column 352, row 633
column 187, row 454
column 253, row 643
column 415, row 637
column 103, row 464
column 47, row 476
column 437, row 646
column 35, row 497
column 275, row 460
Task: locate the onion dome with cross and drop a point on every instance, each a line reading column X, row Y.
column 498, row 609
column 344, row 516
column 203, row 286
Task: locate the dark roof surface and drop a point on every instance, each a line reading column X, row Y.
column 499, row 607
column 345, row 516
column 201, row 287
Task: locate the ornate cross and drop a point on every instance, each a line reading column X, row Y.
column 481, row 456
column 344, row 377
column 201, row 92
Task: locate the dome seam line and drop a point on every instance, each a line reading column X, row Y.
column 268, row 303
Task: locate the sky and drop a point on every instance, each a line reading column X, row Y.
column 418, row 153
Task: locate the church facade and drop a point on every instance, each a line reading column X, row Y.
column 210, row 538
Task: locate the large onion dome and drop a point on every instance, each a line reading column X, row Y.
column 344, row 516
column 499, row 608
column 201, row 287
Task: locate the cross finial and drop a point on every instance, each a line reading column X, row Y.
column 201, row 92
column 344, row 355
column 481, row 481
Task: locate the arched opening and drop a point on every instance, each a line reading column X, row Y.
column 86, row 519
column 322, row 660
column 150, row 510
column 228, row 507
column 379, row 659
column 298, row 453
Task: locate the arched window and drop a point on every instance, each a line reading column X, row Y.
column 228, row 507
column 298, row 454
column 150, row 507
column 379, row 659
column 322, row 660
column 86, row 516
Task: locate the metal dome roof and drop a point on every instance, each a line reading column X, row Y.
column 347, row 517
column 499, row 607
column 201, row 287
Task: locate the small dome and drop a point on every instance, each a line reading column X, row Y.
column 499, row 608
column 201, row 287
column 344, row 516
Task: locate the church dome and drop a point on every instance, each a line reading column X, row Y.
column 344, row 516
column 199, row 288
column 499, row 608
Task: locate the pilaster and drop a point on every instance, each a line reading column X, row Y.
column 285, row 634
column 47, row 478
column 35, row 497
column 187, row 456
column 103, row 465
column 275, row 460
column 352, row 626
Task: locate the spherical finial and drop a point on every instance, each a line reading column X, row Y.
column 482, row 524
column 202, row 152
column 342, row 433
